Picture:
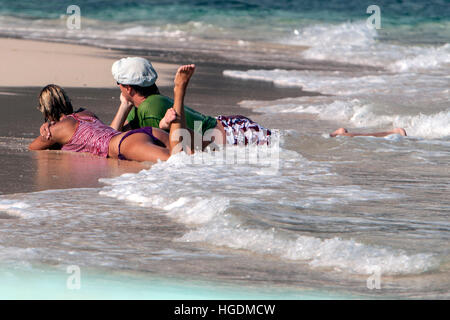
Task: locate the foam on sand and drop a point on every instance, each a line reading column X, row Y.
column 338, row 254
column 221, row 218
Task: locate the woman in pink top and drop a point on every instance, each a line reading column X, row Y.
column 84, row 132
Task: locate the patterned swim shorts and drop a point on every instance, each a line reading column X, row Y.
column 241, row 130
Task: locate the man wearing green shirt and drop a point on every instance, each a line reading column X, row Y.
column 142, row 105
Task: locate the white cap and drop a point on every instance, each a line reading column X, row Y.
column 135, row 71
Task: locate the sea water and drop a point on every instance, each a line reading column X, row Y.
column 310, row 215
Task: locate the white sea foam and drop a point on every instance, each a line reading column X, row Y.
column 150, row 32
column 18, row 257
column 356, row 43
column 426, row 126
column 423, row 59
column 347, row 42
column 344, row 84
column 336, row 253
column 358, row 113
column 46, row 204
column 13, row 208
column 220, row 203
column 418, row 102
column 215, row 200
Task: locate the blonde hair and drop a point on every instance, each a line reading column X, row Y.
column 54, row 102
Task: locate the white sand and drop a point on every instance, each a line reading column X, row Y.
column 38, row 63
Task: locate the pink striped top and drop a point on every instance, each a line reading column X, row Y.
column 91, row 136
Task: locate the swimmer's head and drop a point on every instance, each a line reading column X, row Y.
column 54, row 102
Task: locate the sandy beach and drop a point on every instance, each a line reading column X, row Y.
column 31, row 63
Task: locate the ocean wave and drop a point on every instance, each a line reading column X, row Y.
column 350, row 42
column 219, row 202
column 13, row 208
column 215, row 201
column 432, row 126
column 349, row 84
column 424, row 59
column 335, row 83
column 338, row 254
column 150, row 32
column 358, row 113
column 355, row 43
column 46, row 204
column 393, row 88
column 26, row 208
column 427, row 126
column 347, row 42
column 418, row 102
column 340, row 83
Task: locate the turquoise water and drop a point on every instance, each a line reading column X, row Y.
column 53, row 283
column 181, row 11
column 413, row 21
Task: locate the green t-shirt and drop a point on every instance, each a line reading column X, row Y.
column 153, row 109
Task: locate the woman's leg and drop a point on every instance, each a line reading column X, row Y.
column 344, row 132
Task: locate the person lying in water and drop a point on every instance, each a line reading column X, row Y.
column 84, row 132
column 344, row 132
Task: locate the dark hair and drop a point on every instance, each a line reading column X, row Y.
column 146, row 91
column 54, row 102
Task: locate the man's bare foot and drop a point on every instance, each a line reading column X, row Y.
column 183, row 75
column 399, row 131
column 339, row 131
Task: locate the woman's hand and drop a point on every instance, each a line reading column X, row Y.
column 169, row 117
column 45, row 130
column 47, row 139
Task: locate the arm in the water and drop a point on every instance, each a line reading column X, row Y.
column 344, row 132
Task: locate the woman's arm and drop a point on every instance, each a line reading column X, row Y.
column 43, row 142
column 59, row 133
